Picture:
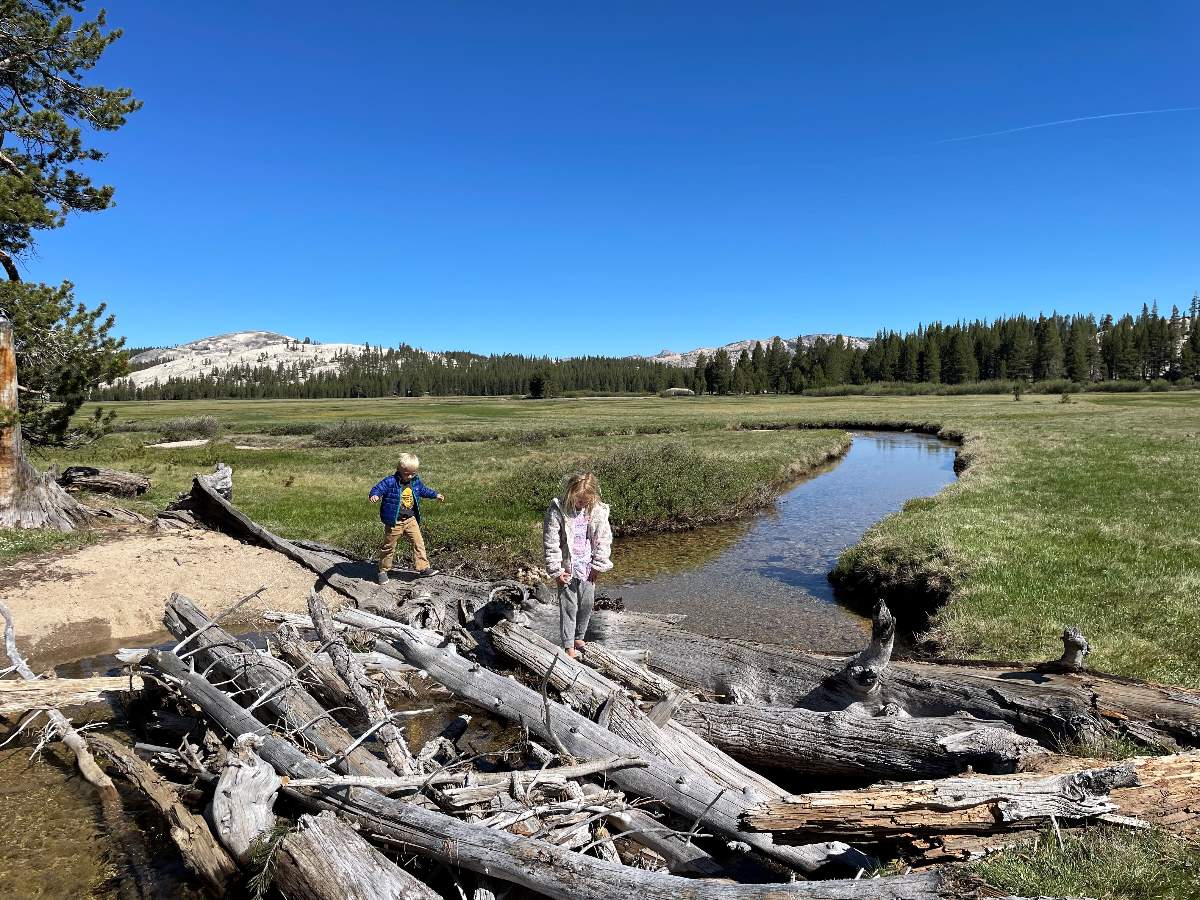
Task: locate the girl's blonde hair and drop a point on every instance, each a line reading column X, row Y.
column 580, row 490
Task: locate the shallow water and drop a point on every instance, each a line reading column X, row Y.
column 765, row 578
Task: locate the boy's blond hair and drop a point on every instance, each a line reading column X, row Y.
column 580, row 490
column 408, row 462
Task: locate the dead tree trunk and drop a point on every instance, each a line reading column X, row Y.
column 104, row 481
column 323, row 858
column 1037, row 700
column 28, row 499
column 684, row 790
column 536, row 865
column 843, row 743
column 967, row 805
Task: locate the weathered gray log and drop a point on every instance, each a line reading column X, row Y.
column 684, row 790
column 368, row 700
column 201, row 852
column 104, row 481
column 263, row 677
column 18, row 696
column 326, row 684
column 325, row 859
column 965, row 805
column 596, row 697
column 243, row 804
column 28, row 498
column 845, row 743
column 533, row 864
column 1041, row 703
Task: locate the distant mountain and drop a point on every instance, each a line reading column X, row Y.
column 737, row 348
column 262, row 348
column 224, row 351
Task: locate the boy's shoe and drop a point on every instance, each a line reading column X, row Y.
column 382, row 578
column 426, row 573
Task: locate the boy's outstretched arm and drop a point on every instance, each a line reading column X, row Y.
column 428, row 493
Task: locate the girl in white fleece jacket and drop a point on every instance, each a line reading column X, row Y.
column 578, row 544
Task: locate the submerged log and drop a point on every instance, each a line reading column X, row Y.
column 323, row 858
column 845, row 743
column 104, row 481
column 18, row 696
column 534, row 864
column 966, row 805
column 201, row 852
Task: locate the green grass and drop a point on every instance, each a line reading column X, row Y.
column 1067, row 513
column 15, row 543
column 1103, row 862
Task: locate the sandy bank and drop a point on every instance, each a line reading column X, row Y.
column 81, row 602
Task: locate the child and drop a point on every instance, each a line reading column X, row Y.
column 399, row 497
column 578, row 542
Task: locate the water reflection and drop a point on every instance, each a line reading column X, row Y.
column 765, row 578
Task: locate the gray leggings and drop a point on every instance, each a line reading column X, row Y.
column 575, row 601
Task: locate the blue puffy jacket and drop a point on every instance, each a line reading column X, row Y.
column 390, row 489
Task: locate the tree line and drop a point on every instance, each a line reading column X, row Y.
column 1018, row 349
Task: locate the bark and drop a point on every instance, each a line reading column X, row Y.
column 201, row 852
column 326, row 859
column 262, row 677
column 966, row 805
column 28, row 499
column 533, row 864
column 18, row 696
column 844, row 743
column 686, row 791
column 104, row 481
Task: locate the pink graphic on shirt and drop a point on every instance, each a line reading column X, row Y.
column 581, row 547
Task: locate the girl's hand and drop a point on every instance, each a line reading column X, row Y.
column 563, row 578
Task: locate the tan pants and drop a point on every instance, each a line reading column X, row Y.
column 391, row 535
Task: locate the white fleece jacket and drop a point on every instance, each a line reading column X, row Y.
column 558, row 543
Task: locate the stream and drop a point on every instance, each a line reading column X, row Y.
column 762, row 578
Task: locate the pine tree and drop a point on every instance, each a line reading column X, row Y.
column 1048, row 357
column 722, row 380
column 758, row 362
column 931, row 361
column 699, row 378
column 1078, row 364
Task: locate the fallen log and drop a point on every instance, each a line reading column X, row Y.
column 530, row 863
column 103, row 481
column 201, row 852
column 272, row 681
column 244, row 800
column 1036, row 700
column 19, row 696
column 844, row 743
column 965, row 805
column 323, row 858
column 684, row 790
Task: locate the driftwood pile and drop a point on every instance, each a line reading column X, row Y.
column 659, row 764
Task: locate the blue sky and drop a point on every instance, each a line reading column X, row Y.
column 617, row 177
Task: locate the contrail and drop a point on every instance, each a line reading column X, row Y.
column 1120, row 115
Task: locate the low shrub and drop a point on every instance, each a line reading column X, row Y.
column 189, row 428
column 361, row 433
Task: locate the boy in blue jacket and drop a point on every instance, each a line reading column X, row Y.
column 399, row 497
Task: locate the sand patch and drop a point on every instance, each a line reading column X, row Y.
column 68, row 605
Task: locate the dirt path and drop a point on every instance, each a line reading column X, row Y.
column 81, row 603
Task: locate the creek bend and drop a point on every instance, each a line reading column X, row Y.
column 765, row 578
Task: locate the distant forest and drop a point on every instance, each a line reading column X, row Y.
column 1053, row 352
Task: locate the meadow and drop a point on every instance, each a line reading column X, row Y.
column 1080, row 512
